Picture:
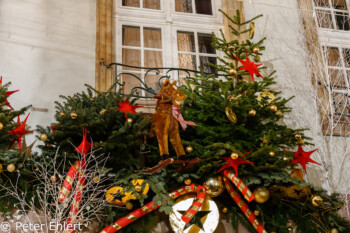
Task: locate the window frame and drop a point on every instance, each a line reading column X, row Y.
column 333, row 15
column 169, row 21
column 339, row 39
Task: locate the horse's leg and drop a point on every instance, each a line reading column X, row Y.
column 176, row 140
column 161, row 128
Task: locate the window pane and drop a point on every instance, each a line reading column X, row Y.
column 132, row 57
column 152, row 38
column 332, row 56
column 151, row 4
column 341, row 103
column 185, row 41
column 346, row 55
column 152, row 82
column 342, row 20
column 204, row 7
column 322, row 3
column 339, row 4
column 153, row 59
column 204, row 43
column 187, row 61
column 134, row 3
column 324, row 19
column 131, row 36
column 205, row 66
column 130, row 82
column 336, row 79
column 183, row 6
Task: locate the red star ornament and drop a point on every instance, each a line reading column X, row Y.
column 303, row 157
column 85, row 145
column 20, row 131
column 7, row 94
column 127, row 107
column 234, row 163
column 250, row 67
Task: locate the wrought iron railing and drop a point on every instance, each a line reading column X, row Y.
column 147, row 90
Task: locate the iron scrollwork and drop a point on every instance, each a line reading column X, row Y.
column 122, row 70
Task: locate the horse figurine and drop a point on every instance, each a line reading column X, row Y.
column 164, row 120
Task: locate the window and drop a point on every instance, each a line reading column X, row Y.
column 195, row 48
column 200, row 6
column 147, row 4
column 332, row 14
column 165, row 33
column 333, row 30
column 338, row 72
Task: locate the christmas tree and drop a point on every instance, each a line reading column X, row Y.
column 236, row 141
column 15, row 156
column 243, row 147
column 110, row 121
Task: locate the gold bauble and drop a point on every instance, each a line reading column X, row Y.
column 214, row 186
column 272, row 154
column 257, row 58
column 252, row 112
column 103, row 111
column 279, row 113
column 189, row 149
column 62, row 114
column 316, row 200
column 188, row 181
column 1, row 126
column 129, row 205
column 261, row 194
column 285, row 158
column 53, row 178
column 43, row 137
column 273, row 108
column 11, row 167
column 138, row 188
column 256, row 212
column 130, row 120
column 224, row 210
column 96, row 179
column 1, row 168
column 298, row 136
column 290, row 229
column 234, row 155
column 301, row 142
column 256, row 49
column 232, row 71
column 334, row 230
column 74, row 115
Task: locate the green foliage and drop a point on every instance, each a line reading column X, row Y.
column 107, row 128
